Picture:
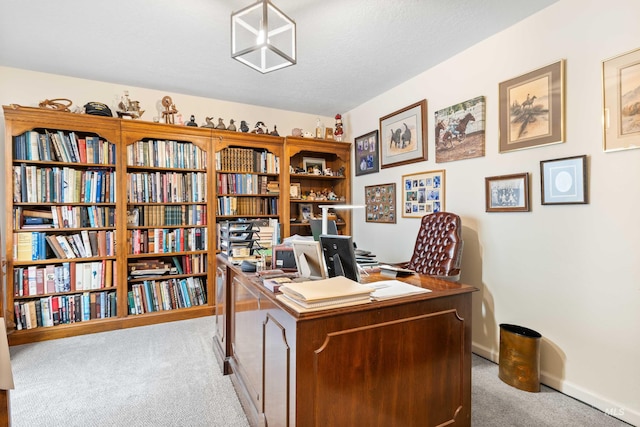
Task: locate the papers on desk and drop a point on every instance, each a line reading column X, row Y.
column 387, row 289
column 324, row 294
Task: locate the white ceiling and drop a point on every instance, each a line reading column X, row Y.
column 348, row 51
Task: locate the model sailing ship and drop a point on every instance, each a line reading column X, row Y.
column 129, row 108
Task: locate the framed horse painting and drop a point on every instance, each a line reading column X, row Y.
column 459, row 131
column 532, row 109
column 403, row 136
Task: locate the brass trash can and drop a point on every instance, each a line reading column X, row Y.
column 519, row 363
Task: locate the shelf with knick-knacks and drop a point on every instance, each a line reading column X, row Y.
column 319, row 174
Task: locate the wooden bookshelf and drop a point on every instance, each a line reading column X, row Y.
column 192, row 162
column 336, row 156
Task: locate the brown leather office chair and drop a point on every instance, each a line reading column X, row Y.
column 438, row 249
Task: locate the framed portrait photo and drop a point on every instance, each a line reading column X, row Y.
column 423, row 193
column 403, row 136
column 564, row 181
column 306, row 211
column 367, row 153
column 507, row 193
column 380, row 203
column 531, row 110
column 311, row 164
column 621, row 89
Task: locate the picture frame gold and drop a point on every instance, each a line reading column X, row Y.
column 380, row 203
column 532, row 109
column 295, row 191
column 507, row 193
column 423, row 193
column 328, row 133
column 621, row 99
column 403, row 136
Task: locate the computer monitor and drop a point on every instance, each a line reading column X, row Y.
column 316, row 228
column 308, row 258
column 340, row 257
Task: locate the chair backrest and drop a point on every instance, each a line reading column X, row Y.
column 438, row 249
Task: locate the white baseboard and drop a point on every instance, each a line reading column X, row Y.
column 586, row 396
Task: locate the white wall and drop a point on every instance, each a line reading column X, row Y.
column 570, row 272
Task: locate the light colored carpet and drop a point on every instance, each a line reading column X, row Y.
column 167, row 375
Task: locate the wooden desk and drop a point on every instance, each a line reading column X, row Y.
column 402, row 362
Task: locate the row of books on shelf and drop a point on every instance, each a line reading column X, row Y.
column 155, row 215
column 166, row 187
column 245, row 183
column 247, row 160
column 166, row 154
column 35, row 184
column 162, row 295
column 62, row 146
column 179, row 264
column 65, row 277
column 65, row 309
column 166, row 240
column 232, row 205
column 40, row 245
column 66, row 216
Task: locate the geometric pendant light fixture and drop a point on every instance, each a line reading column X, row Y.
column 263, row 37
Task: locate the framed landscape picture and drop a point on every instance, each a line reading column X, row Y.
column 403, row 136
column 564, row 181
column 621, row 88
column 459, row 131
column 531, row 110
column 367, row 153
column 423, row 193
column 380, row 203
column 507, row 193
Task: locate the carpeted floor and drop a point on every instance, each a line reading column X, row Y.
column 167, row 375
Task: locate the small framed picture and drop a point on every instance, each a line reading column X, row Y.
column 380, row 202
column 313, row 165
column 306, row 211
column 294, row 191
column 423, row 193
column 367, row 153
column 621, row 88
column 328, row 133
column 564, row 181
column 507, row 193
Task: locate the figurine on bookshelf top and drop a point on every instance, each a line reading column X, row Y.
column 208, row 123
column 274, row 132
column 339, row 131
column 260, row 128
column 232, row 125
column 192, row 121
column 220, row 124
column 128, row 108
column 244, row 127
column 170, row 110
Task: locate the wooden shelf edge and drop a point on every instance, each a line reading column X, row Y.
column 103, row 325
